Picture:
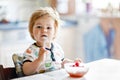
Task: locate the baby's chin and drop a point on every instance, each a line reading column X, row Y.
column 44, row 40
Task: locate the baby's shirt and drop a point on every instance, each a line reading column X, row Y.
column 53, row 58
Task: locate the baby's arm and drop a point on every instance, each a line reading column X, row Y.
column 66, row 60
column 70, row 61
column 78, row 60
column 31, row 67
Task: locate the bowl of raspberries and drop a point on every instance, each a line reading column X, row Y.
column 76, row 69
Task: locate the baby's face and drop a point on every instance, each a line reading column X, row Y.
column 44, row 30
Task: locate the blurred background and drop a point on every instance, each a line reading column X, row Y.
column 78, row 35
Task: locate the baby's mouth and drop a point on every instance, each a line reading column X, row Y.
column 44, row 36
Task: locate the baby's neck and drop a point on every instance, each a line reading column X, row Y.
column 47, row 45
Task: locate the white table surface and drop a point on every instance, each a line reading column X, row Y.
column 104, row 69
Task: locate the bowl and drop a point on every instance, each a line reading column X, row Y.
column 76, row 69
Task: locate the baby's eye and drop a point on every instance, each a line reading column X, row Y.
column 39, row 26
column 49, row 27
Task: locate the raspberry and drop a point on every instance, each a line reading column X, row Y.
column 77, row 64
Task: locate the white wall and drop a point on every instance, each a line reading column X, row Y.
column 19, row 10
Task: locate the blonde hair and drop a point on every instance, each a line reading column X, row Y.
column 41, row 12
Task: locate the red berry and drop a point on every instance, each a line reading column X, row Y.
column 73, row 65
column 77, row 64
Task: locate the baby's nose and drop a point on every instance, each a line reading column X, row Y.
column 44, row 30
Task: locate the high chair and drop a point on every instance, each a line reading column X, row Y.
column 7, row 73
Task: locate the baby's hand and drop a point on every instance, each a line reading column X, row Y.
column 78, row 60
column 66, row 61
column 42, row 53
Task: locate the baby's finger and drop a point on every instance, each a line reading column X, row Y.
column 78, row 60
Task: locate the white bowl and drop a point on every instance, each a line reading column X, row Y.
column 76, row 71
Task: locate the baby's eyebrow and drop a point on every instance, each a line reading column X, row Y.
column 38, row 24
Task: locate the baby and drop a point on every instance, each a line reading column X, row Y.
column 43, row 55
